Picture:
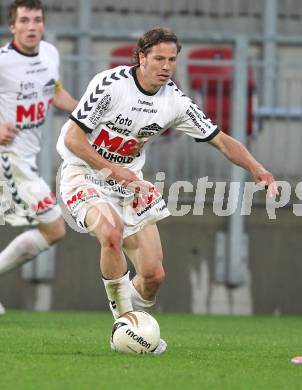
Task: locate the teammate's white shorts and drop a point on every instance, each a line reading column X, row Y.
column 25, row 198
column 82, row 188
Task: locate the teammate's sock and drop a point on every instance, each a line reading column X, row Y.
column 22, row 249
column 138, row 302
column 2, row 309
column 119, row 295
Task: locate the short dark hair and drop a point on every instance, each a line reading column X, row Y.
column 153, row 37
column 31, row 4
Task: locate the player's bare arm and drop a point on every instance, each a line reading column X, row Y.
column 8, row 133
column 63, row 100
column 239, row 155
column 77, row 143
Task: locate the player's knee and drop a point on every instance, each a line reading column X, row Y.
column 112, row 239
column 155, row 278
column 159, row 276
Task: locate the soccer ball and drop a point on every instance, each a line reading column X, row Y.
column 135, row 332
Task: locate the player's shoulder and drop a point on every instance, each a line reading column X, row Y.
column 172, row 91
column 112, row 78
column 48, row 48
column 112, row 75
column 5, row 51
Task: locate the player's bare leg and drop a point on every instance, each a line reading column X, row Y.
column 104, row 222
column 145, row 252
column 53, row 231
column 29, row 244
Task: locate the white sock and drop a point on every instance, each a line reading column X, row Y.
column 119, row 295
column 22, row 249
column 138, row 302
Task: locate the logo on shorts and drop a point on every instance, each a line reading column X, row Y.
column 45, row 204
column 142, row 203
column 80, row 197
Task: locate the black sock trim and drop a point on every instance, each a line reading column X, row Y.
column 103, row 277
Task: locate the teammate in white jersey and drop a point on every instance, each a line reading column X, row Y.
column 103, row 147
column 29, row 85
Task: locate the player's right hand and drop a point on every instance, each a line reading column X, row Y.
column 129, row 180
column 8, row 133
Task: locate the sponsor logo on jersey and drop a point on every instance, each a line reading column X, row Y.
column 199, row 118
column 27, row 91
column 49, row 88
column 35, row 63
column 111, row 126
column 117, row 149
column 32, row 116
column 149, row 130
column 123, row 121
column 100, row 109
column 40, row 70
column 144, row 102
column 146, row 110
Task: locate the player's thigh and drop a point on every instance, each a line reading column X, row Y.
column 144, row 249
column 104, row 222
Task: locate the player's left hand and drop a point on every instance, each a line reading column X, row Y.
column 265, row 179
column 8, row 133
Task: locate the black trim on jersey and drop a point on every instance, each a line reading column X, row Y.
column 7, row 173
column 80, row 124
column 139, row 87
column 13, row 46
column 99, row 90
column 211, row 136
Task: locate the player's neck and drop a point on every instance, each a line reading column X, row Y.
column 24, row 50
column 142, row 84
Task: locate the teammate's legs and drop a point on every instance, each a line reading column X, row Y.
column 107, row 226
column 29, row 244
column 53, row 231
column 145, row 252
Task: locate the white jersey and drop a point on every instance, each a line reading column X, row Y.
column 120, row 118
column 27, row 87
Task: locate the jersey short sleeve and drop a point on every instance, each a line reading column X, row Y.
column 193, row 121
column 95, row 102
column 56, row 55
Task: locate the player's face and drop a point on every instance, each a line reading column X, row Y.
column 158, row 66
column 28, row 29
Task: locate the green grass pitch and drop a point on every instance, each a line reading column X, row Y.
column 70, row 350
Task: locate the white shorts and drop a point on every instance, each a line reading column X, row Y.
column 81, row 188
column 25, row 198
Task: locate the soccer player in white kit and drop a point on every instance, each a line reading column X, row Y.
column 29, row 85
column 103, row 148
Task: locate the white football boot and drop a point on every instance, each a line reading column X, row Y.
column 161, row 348
column 2, row 309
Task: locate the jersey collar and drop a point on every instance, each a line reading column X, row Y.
column 13, row 46
column 140, row 88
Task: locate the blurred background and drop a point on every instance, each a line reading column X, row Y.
column 241, row 61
